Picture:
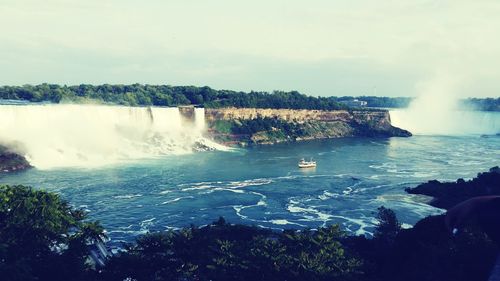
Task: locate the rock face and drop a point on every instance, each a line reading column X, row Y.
column 448, row 194
column 11, row 161
column 313, row 124
column 297, row 115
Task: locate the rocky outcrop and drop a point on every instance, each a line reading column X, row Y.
column 311, row 124
column 11, row 161
column 187, row 112
column 448, row 194
column 295, row 115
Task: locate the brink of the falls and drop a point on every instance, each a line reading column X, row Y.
column 94, row 135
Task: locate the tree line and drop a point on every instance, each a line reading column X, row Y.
column 484, row 104
column 480, row 104
column 165, row 95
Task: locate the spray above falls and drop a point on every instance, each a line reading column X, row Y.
column 94, row 135
column 436, row 111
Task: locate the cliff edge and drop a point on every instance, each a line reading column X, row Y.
column 242, row 126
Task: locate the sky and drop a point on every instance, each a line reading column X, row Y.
column 318, row 47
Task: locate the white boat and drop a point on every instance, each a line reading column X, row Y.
column 307, row 164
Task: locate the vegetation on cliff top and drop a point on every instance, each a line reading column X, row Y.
column 372, row 101
column 273, row 130
column 164, row 95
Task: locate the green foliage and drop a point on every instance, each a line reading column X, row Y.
column 252, row 126
column 223, row 126
column 164, row 95
column 372, row 101
column 234, row 252
column 429, row 252
column 482, row 104
column 320, row 254
column 274, row 130
column 388, row 227
column 42, row 236
column 426, row 252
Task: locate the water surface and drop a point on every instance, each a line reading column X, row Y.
column 262, row 185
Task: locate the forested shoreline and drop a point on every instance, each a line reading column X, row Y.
column 166, row 95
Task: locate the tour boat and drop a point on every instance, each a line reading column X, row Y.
column 307, row 164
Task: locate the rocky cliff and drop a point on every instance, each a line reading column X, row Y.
column 11, row 161
column 265, row 126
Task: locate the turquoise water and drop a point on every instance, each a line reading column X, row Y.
column 262, row 185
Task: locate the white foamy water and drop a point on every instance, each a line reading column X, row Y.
column 427, row 121
column 436, row 111
column 263, row 186
column 95, row 135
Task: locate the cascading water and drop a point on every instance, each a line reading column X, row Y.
column 452, row 122
column 199, row 118
column 94, row 135
column 436, row 111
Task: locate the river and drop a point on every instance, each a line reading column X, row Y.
column 263, row 186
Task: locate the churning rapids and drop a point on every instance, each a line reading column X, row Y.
column 258, row 186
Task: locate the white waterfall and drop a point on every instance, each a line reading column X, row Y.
column 94, row 135
column 446, row 122
column 436, row 110
column 199, row 116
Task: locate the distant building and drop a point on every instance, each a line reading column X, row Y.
column 354, row 103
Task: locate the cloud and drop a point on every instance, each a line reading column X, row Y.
column 319, row 47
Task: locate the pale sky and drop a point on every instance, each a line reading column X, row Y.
column 318, row 47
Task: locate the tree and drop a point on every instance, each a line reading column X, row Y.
column 41, row 236
column 222, row 251
column 388, row 227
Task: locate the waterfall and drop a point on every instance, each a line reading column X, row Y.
column 93, row 135
column 199, row 117
column 436, row 110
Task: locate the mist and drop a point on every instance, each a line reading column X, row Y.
column 52, row 136
column 437, row 111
